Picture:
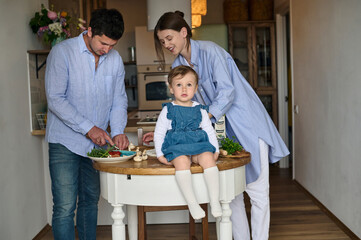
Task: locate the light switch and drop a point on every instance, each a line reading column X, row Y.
column 296, row 109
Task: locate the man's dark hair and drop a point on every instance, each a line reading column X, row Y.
column 108, row 22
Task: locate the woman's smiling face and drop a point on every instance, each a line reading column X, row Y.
column 173, row 41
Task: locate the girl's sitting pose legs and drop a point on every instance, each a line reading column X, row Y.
column 211, row 176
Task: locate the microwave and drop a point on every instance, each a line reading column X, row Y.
column 153, row 88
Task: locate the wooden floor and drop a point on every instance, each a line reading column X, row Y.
column 294, row 216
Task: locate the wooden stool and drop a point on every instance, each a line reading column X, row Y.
column 142, row 222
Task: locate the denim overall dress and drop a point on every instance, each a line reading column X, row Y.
column 185, row 137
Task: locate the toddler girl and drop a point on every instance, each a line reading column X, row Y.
column 184, row 134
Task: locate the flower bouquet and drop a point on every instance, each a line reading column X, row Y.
column 52, row 26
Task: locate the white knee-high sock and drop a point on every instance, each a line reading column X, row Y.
column 184, row 181
column 211, row 176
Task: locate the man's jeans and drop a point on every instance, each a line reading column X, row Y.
column 72, row 178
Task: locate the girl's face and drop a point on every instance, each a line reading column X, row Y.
column 173, row 41
column 184, row 89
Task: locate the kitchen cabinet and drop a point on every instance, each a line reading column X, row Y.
column 252, row 45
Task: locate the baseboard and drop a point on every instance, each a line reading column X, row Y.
column 337, row 221
column 43, row 232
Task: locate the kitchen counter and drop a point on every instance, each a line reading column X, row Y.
column 132, row 126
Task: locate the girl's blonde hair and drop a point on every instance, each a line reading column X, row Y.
column 181, row 71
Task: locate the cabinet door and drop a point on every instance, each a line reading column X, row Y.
column 252, row 45
column 269, row 100
column 263, row 47
column 240, row 47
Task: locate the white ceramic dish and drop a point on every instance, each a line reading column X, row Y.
column 113, row 159
column 151, row 153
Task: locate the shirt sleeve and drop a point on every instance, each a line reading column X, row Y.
column 162, row 126
column 224, row 94
column 56, row 84
column 118, row 113
column 206, row 125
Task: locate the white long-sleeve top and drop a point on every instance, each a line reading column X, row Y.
column 164, row 124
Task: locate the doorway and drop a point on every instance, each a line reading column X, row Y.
column 284, row 85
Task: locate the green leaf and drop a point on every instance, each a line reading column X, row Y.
column 230, row 145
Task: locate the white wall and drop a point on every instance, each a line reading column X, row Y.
column 22, row 198
column 326, row 73
column 134, row 14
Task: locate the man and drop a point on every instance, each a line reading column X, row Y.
column 85, row 90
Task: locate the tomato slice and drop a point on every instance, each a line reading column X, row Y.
column 115, row 153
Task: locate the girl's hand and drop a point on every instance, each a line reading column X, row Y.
column 215, row 156
column 163, row 160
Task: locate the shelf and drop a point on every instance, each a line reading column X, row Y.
column 37, row 53
column 38, row 132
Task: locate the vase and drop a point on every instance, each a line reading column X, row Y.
column 57, row 40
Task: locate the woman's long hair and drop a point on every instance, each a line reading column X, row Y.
column 173, row 21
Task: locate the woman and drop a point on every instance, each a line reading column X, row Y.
column 223, row 88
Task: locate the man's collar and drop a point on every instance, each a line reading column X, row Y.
column 81, row 41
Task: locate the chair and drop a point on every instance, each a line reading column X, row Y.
column 142, row 222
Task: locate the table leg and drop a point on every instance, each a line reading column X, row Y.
column 225, row 225
column 218, row 221
column 118, row 227
column 132, row 213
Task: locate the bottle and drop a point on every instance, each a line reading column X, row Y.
column 132, row 54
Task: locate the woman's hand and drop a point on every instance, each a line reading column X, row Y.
column 163, row 160
column 148, row 137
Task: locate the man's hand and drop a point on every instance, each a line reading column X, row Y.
column 148, row 137
column 163, row 160
column 99, row 136
column 121, row 141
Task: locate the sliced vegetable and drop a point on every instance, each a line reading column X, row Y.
column 100, row 152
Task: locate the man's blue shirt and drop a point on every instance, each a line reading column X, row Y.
column 80, row 96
